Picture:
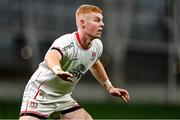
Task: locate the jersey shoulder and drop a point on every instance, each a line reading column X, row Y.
column 65, row 38
column 98, row 43
column 98, row 46
column 64, row 44
column 63, row 41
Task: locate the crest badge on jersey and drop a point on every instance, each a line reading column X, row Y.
column 93, row 55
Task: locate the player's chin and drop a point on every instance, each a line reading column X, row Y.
column 98, row 36
column 95, row 37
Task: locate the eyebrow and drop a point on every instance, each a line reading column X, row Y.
column 98, row 18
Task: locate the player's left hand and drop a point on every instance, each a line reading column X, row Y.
column 119, row 92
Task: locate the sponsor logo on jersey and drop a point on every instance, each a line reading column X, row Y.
column 68, row 46
column 78, row 71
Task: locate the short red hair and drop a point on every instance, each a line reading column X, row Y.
column 83, row 9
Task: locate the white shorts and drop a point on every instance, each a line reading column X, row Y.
column 42, row 104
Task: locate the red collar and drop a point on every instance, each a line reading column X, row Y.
column 79, row 40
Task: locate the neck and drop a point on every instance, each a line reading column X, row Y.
column 85, row 40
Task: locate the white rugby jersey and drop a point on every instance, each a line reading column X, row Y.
column 75, row 59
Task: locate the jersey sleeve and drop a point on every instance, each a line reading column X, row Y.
column 61, row 44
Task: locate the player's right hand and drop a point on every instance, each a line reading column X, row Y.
column 65, row 75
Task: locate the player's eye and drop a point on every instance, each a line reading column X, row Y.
column 97, row 20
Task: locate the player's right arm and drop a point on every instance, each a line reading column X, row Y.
column 52, row 60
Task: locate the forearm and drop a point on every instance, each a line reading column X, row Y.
column 100, row 74
column 52, row 60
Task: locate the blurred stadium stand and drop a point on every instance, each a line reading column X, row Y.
column 141, row 40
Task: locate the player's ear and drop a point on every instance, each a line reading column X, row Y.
column 82, row 23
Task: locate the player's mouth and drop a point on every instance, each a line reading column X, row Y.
column 100, row 31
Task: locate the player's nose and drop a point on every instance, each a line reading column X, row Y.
column 102, row 24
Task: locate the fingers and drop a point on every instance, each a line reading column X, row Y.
column 65, row 75
column 125, row 96
column 70, row 79
column 120, row 93
column 125, row 99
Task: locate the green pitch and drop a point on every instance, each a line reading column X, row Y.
column 108, row 110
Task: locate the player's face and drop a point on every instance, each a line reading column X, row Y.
column 94, row 25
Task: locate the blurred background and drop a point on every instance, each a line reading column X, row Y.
column 141, row 53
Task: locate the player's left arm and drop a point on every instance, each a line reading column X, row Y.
column 99, row 73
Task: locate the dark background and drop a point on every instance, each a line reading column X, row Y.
column 141, row 53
